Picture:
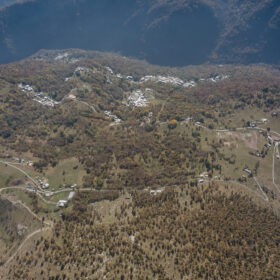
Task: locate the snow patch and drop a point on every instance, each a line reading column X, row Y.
column 71, row 195
column 73, row 60
column 138, row 98
column 189, row 84
column 71, row 96
column 109, row 70
column 120, row 76
column 65, row 57
column 21, row 229
column 44, row 100
column 25, row 88
column 110, row 115
column 132, row 238
column 61, row 56
column 39, row 97
column 130, row 78
column 168, row 80
column 80, row 70
column 156, row 192
column 215, row 79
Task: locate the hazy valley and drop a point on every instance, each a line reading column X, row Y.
column 172, row 33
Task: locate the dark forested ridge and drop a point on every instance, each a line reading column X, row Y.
column 162, row 32
column 185, row 234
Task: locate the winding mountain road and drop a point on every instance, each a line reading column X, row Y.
column 48, row 225
column 264, row 197
column 20, row 170
column 260, row 187
column 23, row 243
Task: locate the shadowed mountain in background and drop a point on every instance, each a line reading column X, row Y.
column 173, row 33
column 6, row 3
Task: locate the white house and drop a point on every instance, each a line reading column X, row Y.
column 155, row 192
column 46, row 186
column 61, row 203
column 71, row 195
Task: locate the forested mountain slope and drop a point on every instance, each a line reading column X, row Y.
column 162, row 32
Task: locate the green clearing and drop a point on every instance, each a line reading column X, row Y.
column 277, row 172
column 274, row 124
column 237, row 150
column 265, row 170
column 56, row 197
column 21, row 195
column 9, row 174
column 238, row 119
column 66, row 173
column 11, row 218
